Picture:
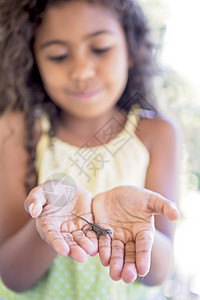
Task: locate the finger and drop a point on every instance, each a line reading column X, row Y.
column 117, row 259
column 144, row 242
column 161, row 205
column 76, row 252
column 129, row 272
column 105, row 249
column 35, row 201
column 91, row 235
column 55, row 239
column 84, row 242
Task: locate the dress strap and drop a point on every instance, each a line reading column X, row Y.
column 132, row 119
column 45, row 124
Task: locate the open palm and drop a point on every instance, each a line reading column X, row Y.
column 129, row 212
column 56, row 224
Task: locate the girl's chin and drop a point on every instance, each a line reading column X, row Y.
column 89, row 112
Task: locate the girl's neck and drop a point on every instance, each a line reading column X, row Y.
column 78, row 132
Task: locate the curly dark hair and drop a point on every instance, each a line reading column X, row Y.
column 21, row 87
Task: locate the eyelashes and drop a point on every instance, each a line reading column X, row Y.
column 101, row 50
column 61, row 58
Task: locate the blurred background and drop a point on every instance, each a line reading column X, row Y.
column 175, row 30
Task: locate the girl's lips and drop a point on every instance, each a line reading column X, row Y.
column 84, row 95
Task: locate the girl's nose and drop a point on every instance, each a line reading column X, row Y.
column 82, row 69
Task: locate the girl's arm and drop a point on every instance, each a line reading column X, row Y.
column 24, row 256
column 160, row 138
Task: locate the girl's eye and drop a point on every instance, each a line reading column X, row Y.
column 100, row 51
column 59, row 58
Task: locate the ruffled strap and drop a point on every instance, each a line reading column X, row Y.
column 132, row 119
column 45, row 123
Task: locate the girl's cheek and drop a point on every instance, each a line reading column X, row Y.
column 53, row 76
column 117, row 61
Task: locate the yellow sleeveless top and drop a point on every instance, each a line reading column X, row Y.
column 123, row 160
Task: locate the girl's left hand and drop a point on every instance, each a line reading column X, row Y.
column 129, row 212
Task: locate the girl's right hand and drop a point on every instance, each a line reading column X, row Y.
column 57, row 226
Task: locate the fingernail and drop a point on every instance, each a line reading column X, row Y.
column 31, row 208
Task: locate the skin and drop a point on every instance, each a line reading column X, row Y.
column 92, row 75
column 86, row 86
column 132, row 222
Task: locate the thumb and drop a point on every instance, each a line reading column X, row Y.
column 160, row 205
column 35, row 201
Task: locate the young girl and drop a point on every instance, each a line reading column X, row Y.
column 75, row 77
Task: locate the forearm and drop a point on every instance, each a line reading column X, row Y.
column 161, row 260
column 24, row 258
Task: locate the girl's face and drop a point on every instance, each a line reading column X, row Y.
column 82, row 56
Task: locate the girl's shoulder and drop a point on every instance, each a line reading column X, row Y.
column 12, row 126
column 157, row 131
column 12, row 122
